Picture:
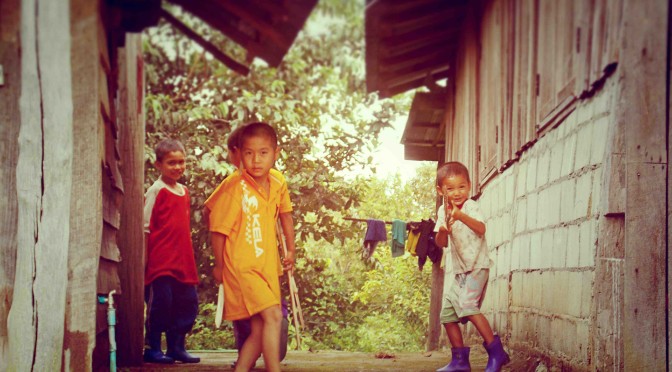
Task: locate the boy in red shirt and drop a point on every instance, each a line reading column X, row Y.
column 170, row 270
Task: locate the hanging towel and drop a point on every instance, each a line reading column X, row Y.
column 375, row 232
column 413, row 236
column 398, row 237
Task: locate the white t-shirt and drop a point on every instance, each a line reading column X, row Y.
column 469, row 251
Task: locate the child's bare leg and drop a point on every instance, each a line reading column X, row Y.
column 483, row 327
column 270, row 343
column 454, row 334
column 251, row 349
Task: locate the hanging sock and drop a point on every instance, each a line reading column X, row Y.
column 398, row 237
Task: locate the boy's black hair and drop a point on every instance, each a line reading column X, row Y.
column 258, row 129
column 166, row 146
column 451, row 168
column 233, row 142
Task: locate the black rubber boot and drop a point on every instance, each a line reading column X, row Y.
column 176, row 349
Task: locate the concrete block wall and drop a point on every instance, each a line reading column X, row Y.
column 543, row 223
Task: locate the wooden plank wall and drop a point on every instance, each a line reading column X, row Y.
column 86, row 205
column 130, row 307
column 521, row 68
column 10, row 118
column 111, row 179
column 44, row 179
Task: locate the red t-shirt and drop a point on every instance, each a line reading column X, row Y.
column 167, row 223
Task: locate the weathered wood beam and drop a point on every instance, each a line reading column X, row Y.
column 226, row 60
column 641, row 105
column 260, row 21
column 389, row 90
column 10, row 117
column 130, row 236
column 44, row 186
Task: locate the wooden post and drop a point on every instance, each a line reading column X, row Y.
column 641, row 108
column 86, row 195
column 435, row 328
column 436, row 296
column 10, row 118
column 44, row 180
column 130, row 237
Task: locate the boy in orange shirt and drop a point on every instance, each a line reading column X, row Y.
column 242, row 224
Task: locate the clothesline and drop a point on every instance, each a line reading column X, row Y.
column 363, row 220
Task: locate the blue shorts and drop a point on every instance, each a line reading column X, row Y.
column 464, row 296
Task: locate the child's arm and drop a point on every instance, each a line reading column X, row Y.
column 441, row 237
column 475, row 225
column 287, row 223
column 217, row 240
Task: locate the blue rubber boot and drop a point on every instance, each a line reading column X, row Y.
column 497, row 357
column 176, row 349
column 153, row 353
column 459, row 362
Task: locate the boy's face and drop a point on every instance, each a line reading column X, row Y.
column 172, row 166
column 455, row 188
column 258, row 156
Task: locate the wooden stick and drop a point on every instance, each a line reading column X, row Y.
column 297, row 314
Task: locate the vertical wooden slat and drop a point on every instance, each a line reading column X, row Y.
column 131, row 236
column 641, row 108
column 86, row 205
column 44, row 180
column 10, row 118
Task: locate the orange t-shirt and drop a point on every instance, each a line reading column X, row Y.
column 243, row 213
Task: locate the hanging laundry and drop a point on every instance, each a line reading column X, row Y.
column 398, row 237
column 413, row 236
column 426, row 246
column 375, row 232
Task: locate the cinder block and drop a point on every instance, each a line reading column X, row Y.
column 557, row 329
column 568, row 155
column 600, row 135
column 568, row 346
column 555, row 161
column 596, row 193
column 582, row 341
column 531, row 174
column 560, row 247
column 574, row 297
column 531, row 211
column 536, row 250
column 538, row 284
column 503, row 302
column 587, row 243
column 573, row 246
column 507, row 227
column 550, row 296
column 542, row 168
column 546, row 251
column 583, row 146
column 520, row 215
column 521, row 178
column 545, row 335
column 553, row 212
column 510, row 186
column 562, row 292
column 587, row 293
column 568, row 193
column 517, row 289
column 524, row 251
column 515, row 253
column 582, row 196
column 542, row 208
column 584, row 112
column 602, row 102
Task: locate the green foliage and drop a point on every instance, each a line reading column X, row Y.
column 327, row 125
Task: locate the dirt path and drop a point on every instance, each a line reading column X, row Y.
column 322, row 361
